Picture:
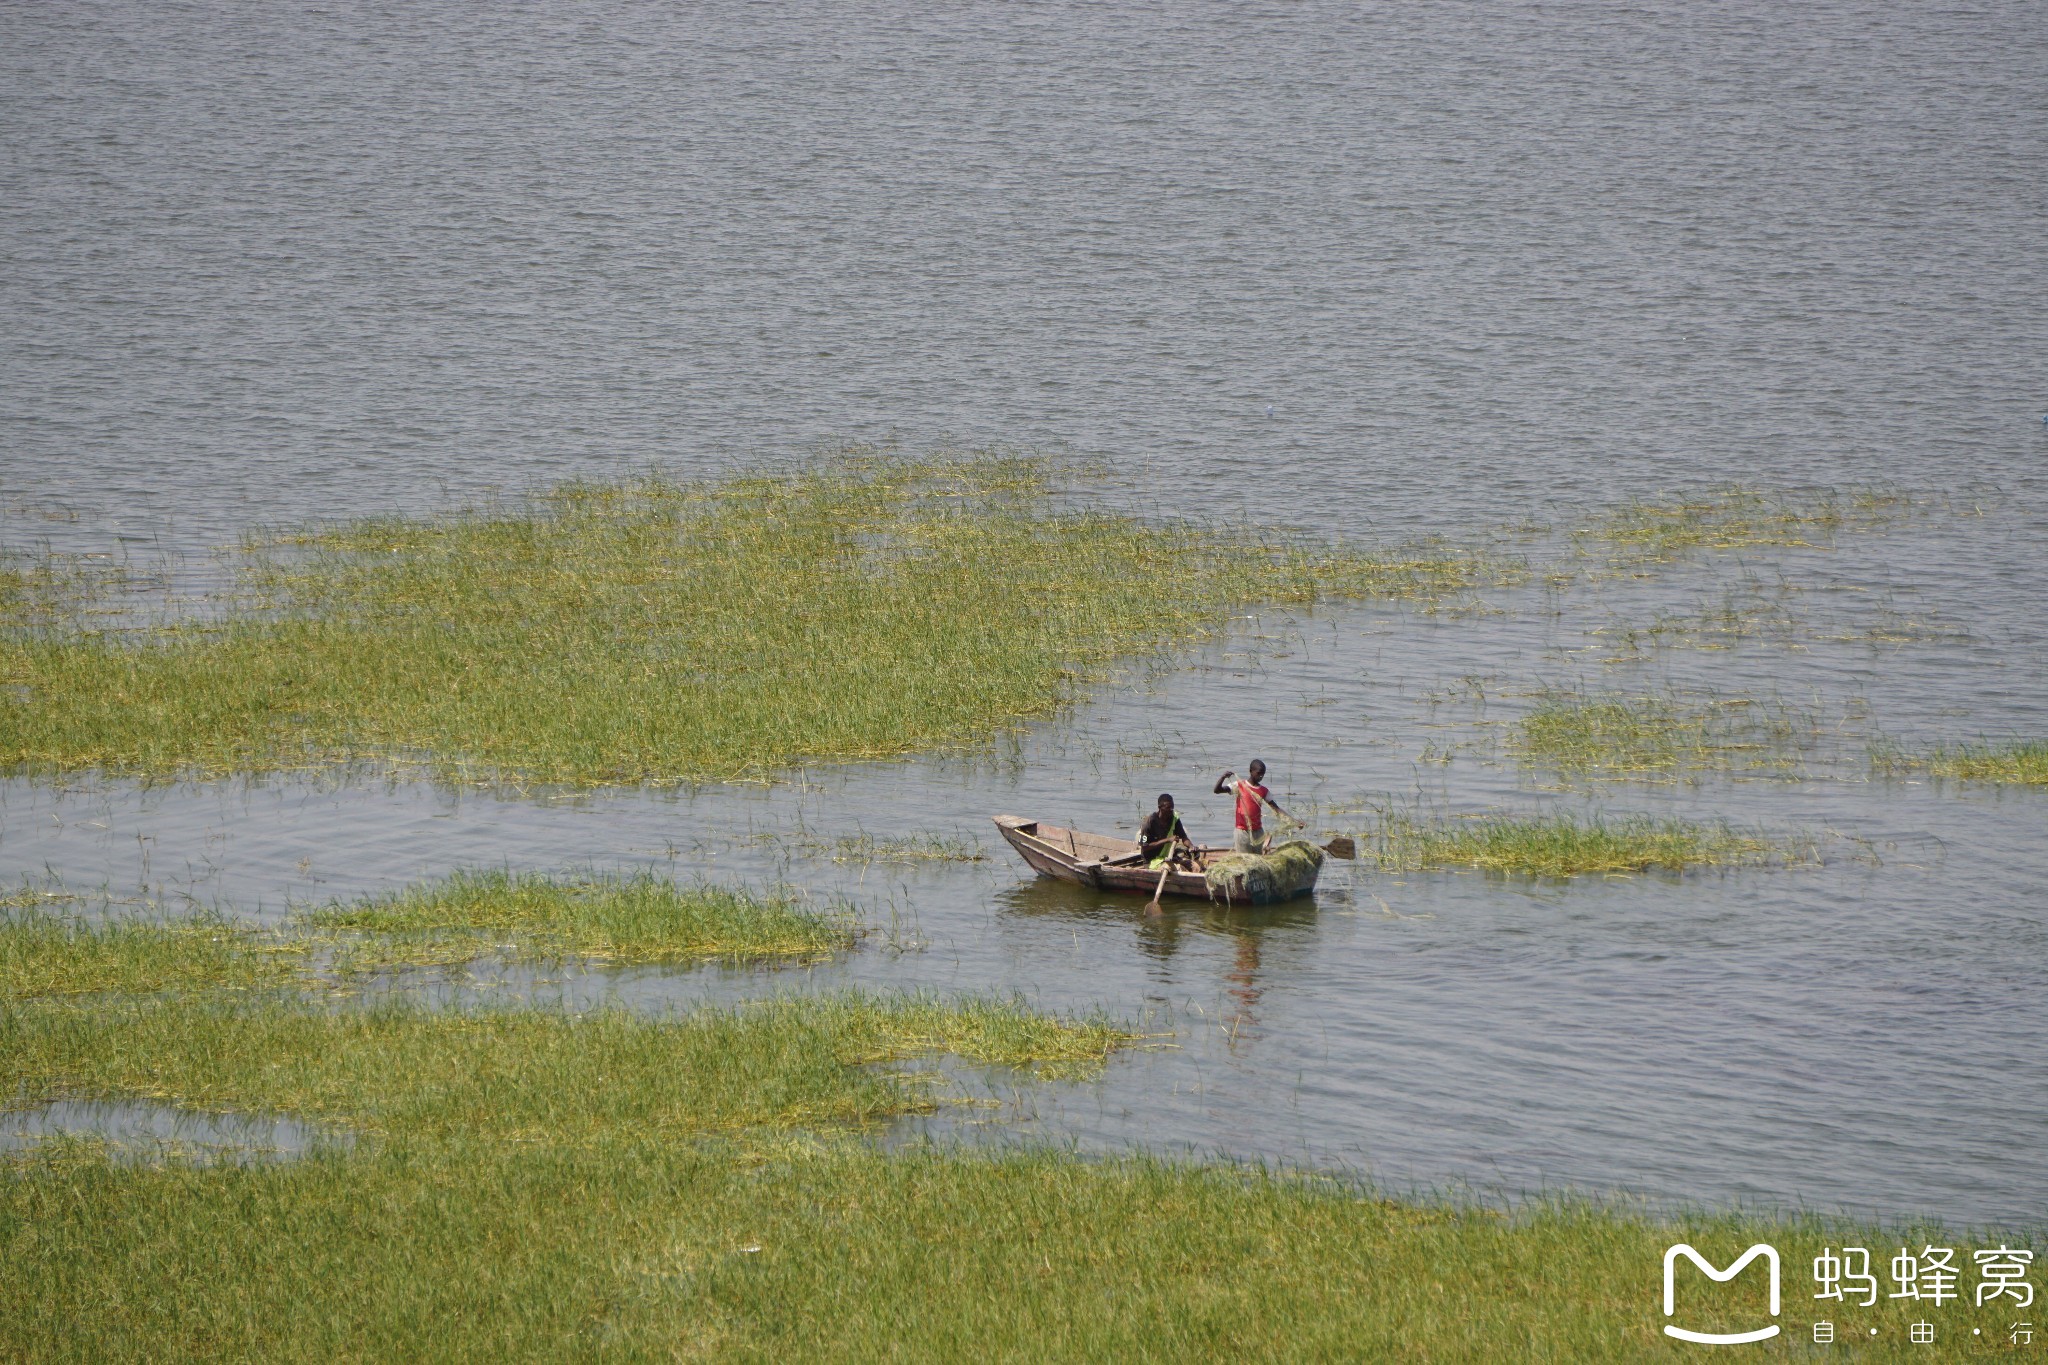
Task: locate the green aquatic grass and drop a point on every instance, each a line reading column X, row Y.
column 1751, row 612
column 396, row 1068
column 44, row 952
column 1567, row 845
column 2022, row 762
column 532, row 1185
column 1735, row 516
column 1760, row 612
column 624, row 918
column 46, row 590
column 1616, row 735
column 15, row 594
column 663, row 631
column 662, row 1250
column 865, row 848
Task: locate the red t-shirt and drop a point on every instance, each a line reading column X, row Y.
column 1248, row 799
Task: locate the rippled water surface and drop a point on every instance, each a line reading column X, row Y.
column 1377, row 270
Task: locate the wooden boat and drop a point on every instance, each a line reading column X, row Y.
column 1108, row 863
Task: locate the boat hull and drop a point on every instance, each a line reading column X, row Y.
column 1110, row 864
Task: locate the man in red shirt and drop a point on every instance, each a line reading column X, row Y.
column 1250, row 835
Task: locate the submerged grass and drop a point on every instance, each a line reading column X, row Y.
column 662, row 631
column 1565, row 845
column 616, row 918
column 1752, row 611
column 865, row 848
column 2017, row 761
column 48, row 589
column 1614, row 735
column 1731, row 517
column 1759, row 612
column 47, row 953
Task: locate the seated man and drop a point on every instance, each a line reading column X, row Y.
column 1161, row 837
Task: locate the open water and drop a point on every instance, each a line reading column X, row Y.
column 1374, row 269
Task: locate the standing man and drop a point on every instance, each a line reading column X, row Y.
column 1250, row 836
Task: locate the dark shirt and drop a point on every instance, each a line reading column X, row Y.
column 1159, row 825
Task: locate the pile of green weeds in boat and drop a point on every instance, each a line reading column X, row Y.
column 659, row 631
column 1282, row 871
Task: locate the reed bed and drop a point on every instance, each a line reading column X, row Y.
column 605, row 1250
column 625, row 918
column 658, row 631
column 2021, row 762
column 1735, row 516
column 1619, row 736
column 1567, row 845
column 49, row 953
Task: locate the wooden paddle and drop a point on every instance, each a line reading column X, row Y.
column 1152, row 906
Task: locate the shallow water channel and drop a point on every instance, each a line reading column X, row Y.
column 1370, row 270
column 139, row 1130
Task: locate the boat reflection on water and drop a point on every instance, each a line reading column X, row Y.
column 1252, row 935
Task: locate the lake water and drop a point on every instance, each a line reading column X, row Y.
column 1375, row 270
column 139, row 1130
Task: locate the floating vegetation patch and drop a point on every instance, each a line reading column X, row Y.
column 1748, row 613
column 1618, row 736
column 2018, row 761
column 1733, row 517
column 44, row 952
column 614, row 918
column 867, row 849
column 1567, row 845
column 1757, row 612
column 661, row 631
column 1889, row 625
column 400, row 1069
column 909, row 848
